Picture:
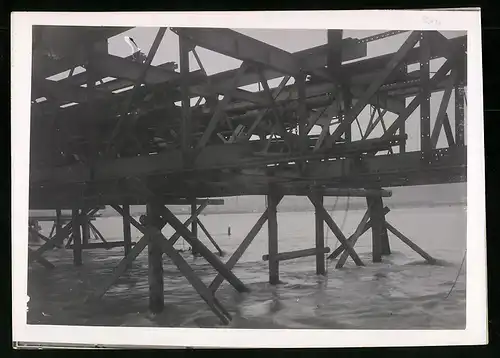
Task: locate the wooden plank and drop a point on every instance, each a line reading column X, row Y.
column 97, row 233
column 204, row 229
column 272, row 222
column 362, row 227
column 336, row 230
column 290, row 255
column 205, row 293
column 202, row 249
column 410, row 243
column 173, row 239
column 122, row 267
column 364, row 224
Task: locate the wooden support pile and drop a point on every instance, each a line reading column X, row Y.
column 157, row 217
column 374, row 219
column 61, row 233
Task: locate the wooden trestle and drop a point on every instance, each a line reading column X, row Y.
column 95, row 143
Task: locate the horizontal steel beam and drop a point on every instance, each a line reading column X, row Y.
column 389, row 171
column 213, row 157
column 245, row 48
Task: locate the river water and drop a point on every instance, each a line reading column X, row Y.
column 402, row 292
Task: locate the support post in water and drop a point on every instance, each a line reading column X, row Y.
column 320, row 238
column 194, row 224
column 155, row 260
column 380, row 239
column 85, row 229
column 272, row 221
column 127, row 236
column 77, row 239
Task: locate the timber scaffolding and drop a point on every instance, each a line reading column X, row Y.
column 95, row 143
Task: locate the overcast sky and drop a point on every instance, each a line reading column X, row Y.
column 291, row 41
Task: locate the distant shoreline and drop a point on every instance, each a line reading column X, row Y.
column 329, row 208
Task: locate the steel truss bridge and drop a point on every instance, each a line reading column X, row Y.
column 109, row 147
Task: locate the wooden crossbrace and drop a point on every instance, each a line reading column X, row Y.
column 410, row 243
column 204, row 229
column 238, row 253
column 205, row 293
column 336, row 230
column 42, row 261
column 199, row 247
column 168, row 249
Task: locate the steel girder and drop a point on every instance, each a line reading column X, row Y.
column 381, row 81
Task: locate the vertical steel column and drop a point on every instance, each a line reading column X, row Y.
column 194, row 224
column 272, row 222
column 155, row 261
column 320, row 239
column 186, row 128
column 127, row 235
column 425, row 104
column 380, row 239
column 77, row 239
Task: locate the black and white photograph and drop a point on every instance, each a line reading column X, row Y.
column 227, row 179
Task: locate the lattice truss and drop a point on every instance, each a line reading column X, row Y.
column 336, row 119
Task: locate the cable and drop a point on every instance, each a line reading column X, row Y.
column 458, row 275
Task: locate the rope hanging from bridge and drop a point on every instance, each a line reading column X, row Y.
column 458, row 275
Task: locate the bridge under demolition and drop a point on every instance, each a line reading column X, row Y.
column 126, row 142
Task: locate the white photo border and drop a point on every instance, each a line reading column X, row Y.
column 468, row 20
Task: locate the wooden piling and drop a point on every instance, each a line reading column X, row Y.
column 58, row 223
column 272, row 223
column 380, row 239
column 320, row 239
column 77, row 238
column 127, row 235
column 410, row 243
column 85, row 230
column 155, row 262
column 238, row 253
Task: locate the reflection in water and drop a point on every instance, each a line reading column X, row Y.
column 400, row 293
